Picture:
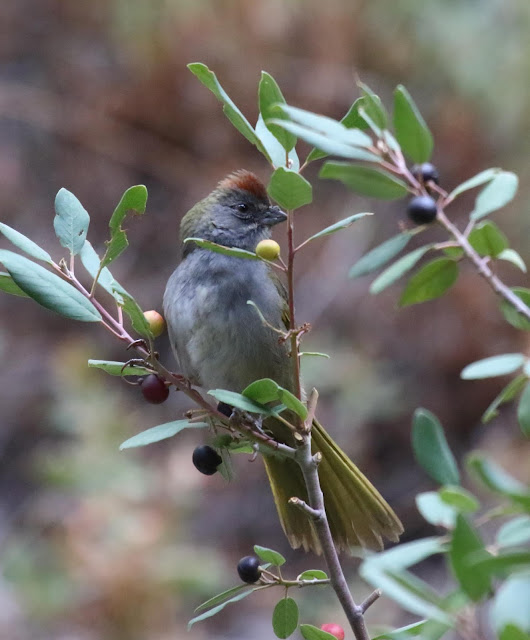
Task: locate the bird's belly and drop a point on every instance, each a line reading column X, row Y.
column 221, row 341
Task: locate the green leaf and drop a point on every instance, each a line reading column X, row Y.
column 502, row 564
column 48, row 289
column 135, row 200
column 431, row 449
column 270, row 96
column 430, row 282
column 510, row 611
column 285, row 618
column 269, row 555
column 209, row 80
column 338, row 226
column 373, row 107
column 327, row 145
column 219, row 248
column 498, row 481
column 398, row 269
column 488, row 240
column 510, row 255
column 160, row 432
column 114, row 368
column 136, row 315
column 309, row 632
column 239, row 401
column 266, row 390
column 313, row 574
column 91, row 261
column 220, row 607
column 435, row 510
column 314, row 353
column 352, row 120
column 275, row 153
column 289, row 189
column 495, row 195
column 365, row 180
column 327, row 126
column 25, row 244
column 380, row 255
column 523, row 411
column 459, row 498
column 466, row 541
column 508, row 393
column 510, row 313
column 475, row 181
column 412, row 132
column 225, row 595
column 515, row 532
column 494, row 366
column 8, row 285
column 71, row 221
column 423, row 630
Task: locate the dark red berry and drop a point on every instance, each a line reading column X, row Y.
column 248, row 569
column 422, row 209
column 225, row 409
column 206, row 460
column 154, row 389
column 426, row 172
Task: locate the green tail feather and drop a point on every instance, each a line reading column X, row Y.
column 357, row 513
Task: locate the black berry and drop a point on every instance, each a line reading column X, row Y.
column 206, row 460
column 154, row 389
column 426, row 172
column 248, row 569
column 225, row 409
column 422, row 209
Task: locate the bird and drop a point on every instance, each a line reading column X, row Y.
column 221, row 342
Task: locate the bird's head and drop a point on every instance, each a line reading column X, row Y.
column 238, row 213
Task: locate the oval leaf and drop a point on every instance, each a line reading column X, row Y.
column 270, row 96
column 430, row 282
column 338, row 226
column 289, row 189
column 114, row 368
column 510, row 609
column 508, row 393
column 48, row 289
column 71, row 221
column 309, row 632
column 510, row 313
column 269, row 555
column 487, row 239
column 365, row 180
column 220, row 607
column 431, row 449
column 496, row 479
column 285, row 618
column 459, row 499
column 465, row 542
column 239, row 401
column 515, row 532
column 475, row 181
column 380, row 255
column 313, row 574
column 160, row 432
column 274, row 150
column 25, row 244
column 510, row 255
column 435, row 510
column 8, row 285
column 219, row 248
column 411, row 131
column 398, row 269
column 494, row 366
column 523, row 411
column 209, row 80
column 495, row 195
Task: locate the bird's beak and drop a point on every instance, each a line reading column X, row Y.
column 273, row 216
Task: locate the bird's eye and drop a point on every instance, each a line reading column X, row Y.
column 242, row 207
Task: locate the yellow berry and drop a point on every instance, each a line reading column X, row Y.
column 268, row 249
column 157, row 324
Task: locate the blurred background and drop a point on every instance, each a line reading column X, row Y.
column 98, row 544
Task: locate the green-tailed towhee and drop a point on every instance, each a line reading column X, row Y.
column 221, row 342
